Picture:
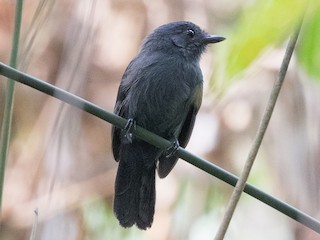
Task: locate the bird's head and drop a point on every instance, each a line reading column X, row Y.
column 184, row 38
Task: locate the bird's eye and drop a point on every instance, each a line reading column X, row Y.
column 190, row 33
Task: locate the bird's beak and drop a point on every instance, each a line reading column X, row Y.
column 213, row 39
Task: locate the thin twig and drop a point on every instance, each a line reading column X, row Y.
column 9, row 99
column 160, row 142
column 34, row 225
column 259, row 136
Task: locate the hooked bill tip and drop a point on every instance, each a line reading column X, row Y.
column 213, row 39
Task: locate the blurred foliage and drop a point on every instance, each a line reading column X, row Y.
column 100, row 223
column 309, row 49
column 265, row 24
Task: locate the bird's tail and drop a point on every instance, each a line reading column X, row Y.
column 135, row 188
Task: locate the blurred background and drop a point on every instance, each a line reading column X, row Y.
column 60, row 162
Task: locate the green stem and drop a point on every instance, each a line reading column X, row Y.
column 9, row 99
column 160, row 142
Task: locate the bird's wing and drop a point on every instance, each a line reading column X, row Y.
column 120, row 110
column 166, row 164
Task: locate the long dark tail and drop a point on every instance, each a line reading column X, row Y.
column 135, row 187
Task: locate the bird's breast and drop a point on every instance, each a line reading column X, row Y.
column 164, row 96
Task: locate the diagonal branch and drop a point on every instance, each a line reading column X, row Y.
column 160, row 142
column 258, row 138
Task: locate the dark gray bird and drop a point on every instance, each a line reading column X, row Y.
column 161, row 90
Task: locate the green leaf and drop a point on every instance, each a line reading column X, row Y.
column 261, row 25
column 309, row 47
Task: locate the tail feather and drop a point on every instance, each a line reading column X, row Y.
column 147, row 199
column 126, row 199
column 134, row 189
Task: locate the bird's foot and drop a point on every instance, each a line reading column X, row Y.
column 131, row 125
column 172, row 149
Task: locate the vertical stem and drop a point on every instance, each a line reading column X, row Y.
column 33, row 235
column 259, row 136
column 9, row 99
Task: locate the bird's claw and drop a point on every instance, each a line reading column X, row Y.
column 172, row 149
column 131, row 124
